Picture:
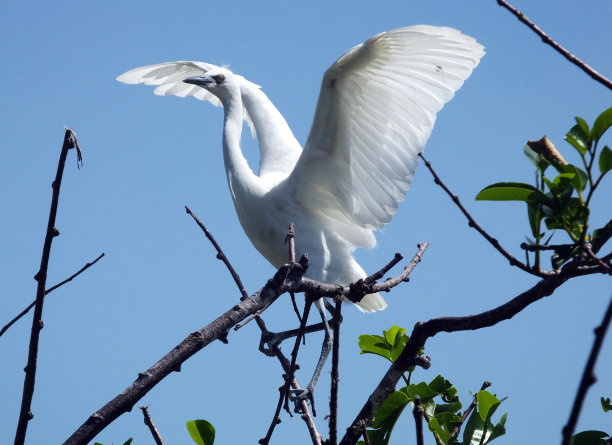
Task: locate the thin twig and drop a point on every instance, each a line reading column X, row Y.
column 588, row 376
column 418, row 420
column 472, row 223
column 148, row 421
column 25, row 415
column 333, row 397
column 382, row 272
column 48, row 291
column 220, row 254
column 467, row 412
column 564, row 52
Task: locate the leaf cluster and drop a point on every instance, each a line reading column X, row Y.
column 561, row 202
column 439, row 399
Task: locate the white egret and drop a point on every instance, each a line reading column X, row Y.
column 376, row 109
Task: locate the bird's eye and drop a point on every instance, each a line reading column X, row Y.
column 219, row 78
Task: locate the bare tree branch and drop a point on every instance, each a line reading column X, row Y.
column 148, row 421
column 549, row 41
column 588, row 376
column 287, row 278
column 25, row 414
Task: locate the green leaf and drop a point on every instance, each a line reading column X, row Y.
column 583, row 125
column 536, row 159
column 580, row 178
column 535, row 218
column 421, row 390
column 201, row 431
column 472, row 432
column 514, row 191
column 128, row 442
column 487, row 404
column 439, row 425
column 440, row 384
column 605, row 160
column 387, row 416
column 606, row 404
column 589, row 438
column 375, row 344
column 499, row 429
column 578, row 138
column 397, row 339
column 601, row 124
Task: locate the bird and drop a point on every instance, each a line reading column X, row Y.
column 376, row 109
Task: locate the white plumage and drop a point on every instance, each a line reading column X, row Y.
column 376, row 109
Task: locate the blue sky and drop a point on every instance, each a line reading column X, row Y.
column 145, row 157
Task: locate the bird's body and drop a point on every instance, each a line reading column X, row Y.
column 375, row 112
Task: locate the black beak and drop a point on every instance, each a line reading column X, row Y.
column 200, row 81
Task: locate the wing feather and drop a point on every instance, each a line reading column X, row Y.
column 169, row 76
column 376, row 109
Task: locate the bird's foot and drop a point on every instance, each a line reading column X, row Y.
column 297, row 396
column 269, row 342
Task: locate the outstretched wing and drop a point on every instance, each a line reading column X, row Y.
column 376, row 109
column 169, row 76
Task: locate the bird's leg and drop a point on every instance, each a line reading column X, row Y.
column 271, row 339
column 297, row 396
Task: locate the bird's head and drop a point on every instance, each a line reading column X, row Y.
column 219, row 81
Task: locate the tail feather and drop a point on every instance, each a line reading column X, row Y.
column 371, row 303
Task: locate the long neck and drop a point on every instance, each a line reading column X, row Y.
column 241, row 179
column 279, row 150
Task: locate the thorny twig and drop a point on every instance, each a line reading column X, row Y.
column 546, row 39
